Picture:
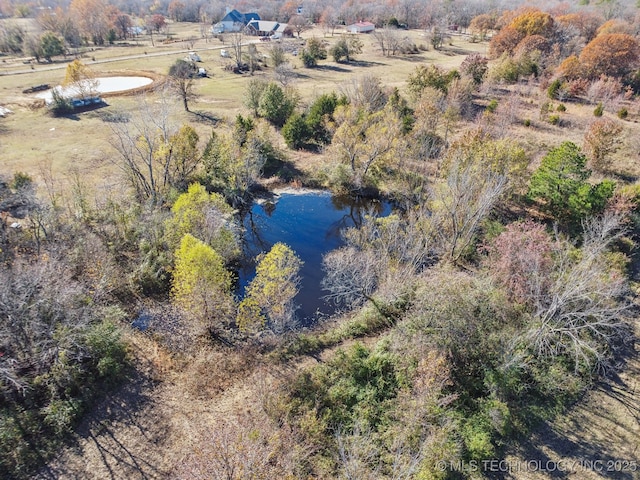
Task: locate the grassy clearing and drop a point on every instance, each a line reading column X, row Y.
column 30, row 137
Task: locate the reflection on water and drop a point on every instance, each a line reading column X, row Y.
column 310, row 223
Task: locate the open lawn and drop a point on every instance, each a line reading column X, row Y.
column 30, row 137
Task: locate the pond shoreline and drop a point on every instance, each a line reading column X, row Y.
column 310, row 222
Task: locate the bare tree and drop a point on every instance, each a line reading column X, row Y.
column 389, row 40
column 352, row 275
column 241, row 446
column 205, row 23
column 382, row 256
column 35, row 302
column 298, row 24
column 461, row 202
column 284, row 74
column 365, row 92
column 141, row 143
column 235, row 39
column 582, row 314
column 358, row 454
column 329, row 20
column 252, row 57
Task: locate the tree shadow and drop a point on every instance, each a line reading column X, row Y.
column 283, row 169
column 70, row 116
column 207, row 118
column 597, row 427
column 364, row 63
column 411, row 58
column 332, row 68
column 624, row 177
column 130, row 449
column 453, row 51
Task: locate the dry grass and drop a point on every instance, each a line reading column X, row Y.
column 145, row 428
column 30, row 138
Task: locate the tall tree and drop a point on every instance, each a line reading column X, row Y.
column 329, row 20
column 298, row 24
column 613, row 54
column 277, row 104
column 81, row 79
column 201, row 284
column 207, row 217
column 91, row 18
column 181, row 79
column 269, row 296
column 601, row 141
column 561, row 184
column 123, row 24
column 144, row 148
column 346, row 49
column 236, row 39
column 51, row 45
column 365, row 141
column 581, row 315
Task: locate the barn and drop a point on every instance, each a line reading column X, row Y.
column 361, row 27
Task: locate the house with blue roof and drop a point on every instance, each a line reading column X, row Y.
column 234, row 21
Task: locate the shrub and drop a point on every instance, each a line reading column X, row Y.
column 60, row 105
column 430, row 76
column 346, row 48
column 321, row 111
column 623, row 113
column 21, row 181
column 477, row 434
column 296, row 132
column 554, row 88
column 313, row 52
column 599, row 110
column 527, row 122
column 578, row 86
column 603, row 139
column 561, row 108
column 561, row 182
column 353, row 386
column 276, row 104
column 554, row 119
column 492, row 106
column 308, row 60
column 475, row 66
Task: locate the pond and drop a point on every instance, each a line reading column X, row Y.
column 310, row 222
column 104, row 85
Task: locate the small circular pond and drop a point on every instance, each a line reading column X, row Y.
column 103, row 85
column 310, row 222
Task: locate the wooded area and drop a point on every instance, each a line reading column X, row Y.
column 500, row 289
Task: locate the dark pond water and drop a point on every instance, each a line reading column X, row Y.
column 310, row 223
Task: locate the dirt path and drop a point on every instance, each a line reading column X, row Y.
column 163, row 53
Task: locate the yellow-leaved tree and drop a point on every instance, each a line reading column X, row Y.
column 202, row 284
column 81, row 80
column 206, row 216
column 269, row 296
column 367, row 143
